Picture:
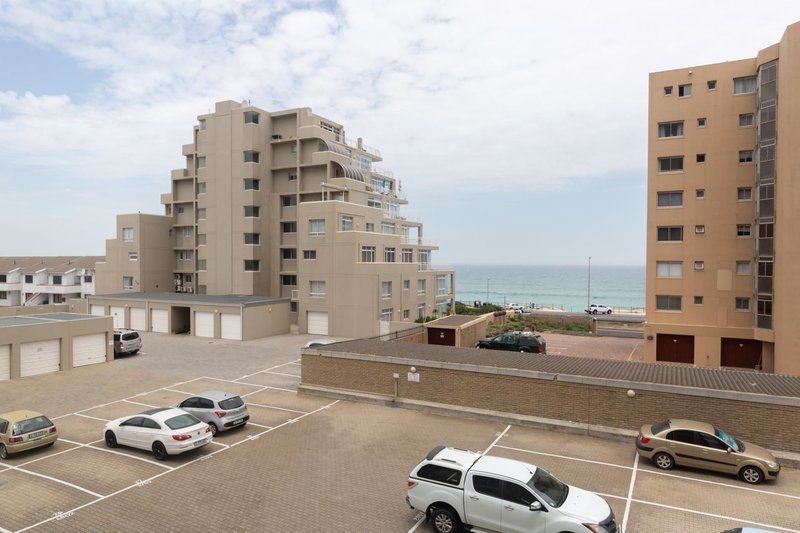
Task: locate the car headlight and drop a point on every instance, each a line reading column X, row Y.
column 595, row 528
column 772, row 465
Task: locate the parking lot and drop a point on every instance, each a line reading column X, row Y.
column 308, row 463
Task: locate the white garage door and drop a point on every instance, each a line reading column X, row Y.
column 138, row 319
column 5, row 362
column 98, row 310
column 41, row 357
column 317, row 323
column 89, row 349
column 119, row 316
column 231, row 327
column 159, row 320
column 203, row 324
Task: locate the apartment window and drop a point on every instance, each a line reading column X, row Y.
column 744, row 193
column 743, row 268
column 347, row 223
column 252, row 238
column 28, row 278
column 250, row 117
column 251, row 265
column 292, row 176
column 668, row 90
column 387, row 228
column 701, row 158
column 373, row 201
column 745, row 120
column 292, row 307
column 202, row 289
column 187, row 278
column 185, row 255
column 127, row 282
column 201, row 213
column 3, row 295
column 670, row 233
column 421, row 311
column 700, row 194
column 670, row 199
column 685, row 90
column 201, row 265
column 367, row 254
column 316, row 226
column 180, row 210
column 742, row 304
column 127, row 234
column 744, row 85
column 201, row 239
column 289, row 227
column 408, row 255
column 289, row 200
column 56, row 280
column 386, row 289
column 420, row 286
column 670, row 129
column 293, row 149
column 202, row 123
column 701, row 122
column 670, row 164
column 406, row 314
column 87, row 279
column 745, row 156
column 288, row 253
column 699, row 265
column 700, row 229
column 668, row 303
column 133, row 256
column 388, row 255
column 316, row 289
column 201, row 187
column 370, row 226
column 201, row 161
column 386, row 315
column 669, row 269
column 251, row 156
column 712, row 85
column 186, row 231
column 252, row 211
column 698, row 300
column 309, row 255
column 406, row 284
column 742, row 230
column 288, row 280
column 252, row 184
column 3, row 278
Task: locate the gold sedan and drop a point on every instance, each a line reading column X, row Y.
column 25, row 430
column 701, row 445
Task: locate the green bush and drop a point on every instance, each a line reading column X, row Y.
column 463, row 309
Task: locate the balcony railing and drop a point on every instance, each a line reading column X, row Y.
column 295, row 295
column 428, row 267
column 418, row 241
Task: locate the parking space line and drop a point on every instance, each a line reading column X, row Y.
column 178, row 391
column 264, row 370
column 115, row 452
column 140, row 403
column 3, row 530
column 565, row 457
column 494, row 442
column 255, row 391
column 92, row 417
column 263, row 387
column 278, row 408
column 631, row 354
column 226, row 446
column 259, row 425
column 292, row 421
column 415, row 526
column 280, row 374
column 72, row 449
column 630, row 494
column 67, row 483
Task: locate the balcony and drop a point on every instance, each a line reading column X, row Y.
column 180, row 174
column 419, row 241
column 188, row 149
column 289, row 239
column 166, row 198
column 427, row 267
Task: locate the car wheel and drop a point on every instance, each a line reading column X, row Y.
column 594, row 311
column 608, row 312
column 134, row 352
column 111, row 439
column 159, row 451
column 3, row 452
column 445, row 521
column 214, row 429
column 664, row 461
column 751, row 474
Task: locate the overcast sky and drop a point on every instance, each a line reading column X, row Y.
column 518, row 128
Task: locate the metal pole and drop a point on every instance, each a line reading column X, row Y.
column 589, row 288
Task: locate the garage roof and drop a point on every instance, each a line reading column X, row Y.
column 182, row 298
column 454, row 321
column 44, row 318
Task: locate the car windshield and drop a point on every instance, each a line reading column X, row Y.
column 231, row 403
column 549, row 488
column 181, row 421
column 659, row 427
column 31, row 424
column 727, row 439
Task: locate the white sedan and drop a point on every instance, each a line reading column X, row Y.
column 164, row 431
column 596, row 309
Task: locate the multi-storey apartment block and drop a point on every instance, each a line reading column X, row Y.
column 723, row 256
column 284, row 204
column 45, row 280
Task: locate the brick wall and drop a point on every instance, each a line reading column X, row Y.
column 772, row 425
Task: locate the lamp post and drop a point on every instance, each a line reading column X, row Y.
column 589, row 288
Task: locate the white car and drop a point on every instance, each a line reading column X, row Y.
column 456, row 488
column 596, row 309
column 164, row 431
column 318, row 342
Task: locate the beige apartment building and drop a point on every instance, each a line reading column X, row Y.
column 723, row 253
column 285, row 205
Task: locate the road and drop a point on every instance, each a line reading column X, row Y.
column 619, row 332
column 605, row 318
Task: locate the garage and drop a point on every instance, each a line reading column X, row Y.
column 88, row 349
column 98, row 310
column 119, row 316
column 138, row 321
column 159, row 320
column 231, row 326
column 5, row 362
column 317, row 322
column 740, row 353
column 204, row 324
column 40, row 357
column 675, row 348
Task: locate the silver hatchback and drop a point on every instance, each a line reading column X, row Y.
column 126, row 341
column 220, row 410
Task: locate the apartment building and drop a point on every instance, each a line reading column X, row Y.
column 286, row 205
column 45, row 280
column 723, row 259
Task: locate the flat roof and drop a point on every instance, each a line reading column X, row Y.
column 44, row 318
column 454, row 321
column 54, row 264
column 189, row 299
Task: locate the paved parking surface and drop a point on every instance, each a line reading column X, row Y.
column 622, row 349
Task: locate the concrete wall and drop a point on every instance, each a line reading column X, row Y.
column 36, row 309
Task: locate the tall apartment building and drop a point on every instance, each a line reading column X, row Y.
column 723, row 255
column 284, row 204
column 45, row 280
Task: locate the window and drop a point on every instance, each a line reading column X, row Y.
column 3, row 295
column 251, row 156
column 252, row 238
column 127, row 282
column 670, row 129
column 186, row 231
column 420, row 286
column 127, row 234
column 406, row 314
column 316, row 226
column 669, row 269
column 185, row 255
column 87, row 279
column 699, row 265
column 201, row 213
column 670, row 199
column 421, row 311
column 293, row 149
column 744, row 85
column 201, row 187
column 744, row 193
column 288, row 253
column 668, row 90
column 288, row 280
column 292, row 307
column 202, row 123
column 251, row 265
column 28, row 278
column 487, row 485
column 701, row 122
column 180, row 210
column 742, row 304
column 700, row 229
column 670, row 233
column 133, row 256
column 743, row 268
column 698, row 300
column 252, row 211
column 386, row 289
column 388, row 255
column 668, row 303
column 712, row 85
column 700, row 194
column 742, row 230
column 289, row 200
column 408, row 255
column 292, row 176
column 518, row 494
column 386, row 315
column 685, row 90
column 440, row 474
column 701, row 158
column 670, row 164
column 367, row 254
column 745, row 156
column 252, row 184
column 406, row 284
column 370, row 226
column 309, row 255
column 201, row 239
column 289, row 227
column 3, row 278
column 374, row 201
column 56, row 280
column 201, row 265
column 201, row 161
column 387, row 228
column 745, row 120
column 347, row 223
column 250, row 117
column 316, row 289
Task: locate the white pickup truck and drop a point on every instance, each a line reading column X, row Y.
column 458, row 489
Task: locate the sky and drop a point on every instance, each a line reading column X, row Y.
column 518, row 129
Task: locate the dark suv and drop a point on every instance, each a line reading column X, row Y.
column 524, row 341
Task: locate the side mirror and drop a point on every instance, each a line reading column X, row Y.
column 536, row 506
column 729, row 450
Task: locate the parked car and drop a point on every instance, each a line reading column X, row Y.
column 164, row 431
column 318, row 342
column 25, row 430
column 456, row 488
column 701, row 445
column 220, row 410
column 597, row 309
column 514, row 307
column 126, row 342
column 515, row 341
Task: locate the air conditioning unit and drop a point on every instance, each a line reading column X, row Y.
column 277, row 137
column 189, row 289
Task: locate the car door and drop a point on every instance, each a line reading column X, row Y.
column 516, row 514
column 191, row 405
column 126, row 432
column 505, row 342
column 205, row 409
column 483, row 501
column 683, row 445
column 714, row 454
column 149, row 433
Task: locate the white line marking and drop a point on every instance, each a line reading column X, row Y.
column 93, row 417
column 115, row 452
column 179, row 391
column 255, row 391
column 61, row 481
column 71, row 448
column 292, row 421
column 281, row 374
column 419, row 522
column 229, row 381
column 140, row 403
column 259, row 425
column 278, row 408
column 270, row 368
column 564, row 457
column 219, row 444
column 263, row 387
column 3, row 530
column 631, row 355
column 630, row 493
column 497, row 439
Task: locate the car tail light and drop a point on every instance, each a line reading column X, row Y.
column 644, row 440
column 411, row 484
column 14, row 440
column 220, row 413
column 208, row 429
column 52, row 430
column 181, row 437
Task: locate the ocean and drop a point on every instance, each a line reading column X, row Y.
column 553, row 286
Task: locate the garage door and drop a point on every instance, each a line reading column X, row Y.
column 317, row 323
column 89, row 349
column 41, row 357
column 5, row 362
column 231, row 327
column 98, row 310
column 119, row 316
column 740, row 353
column 159, row 320
column 138, row 319
column 203, row 324
column 675, row 348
